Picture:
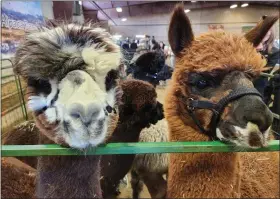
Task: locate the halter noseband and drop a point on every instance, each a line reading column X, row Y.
column 216, row 108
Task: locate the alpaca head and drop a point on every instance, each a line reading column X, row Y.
column 74, row 71
column 139, row 99
column 211, row 88
column 148, row 65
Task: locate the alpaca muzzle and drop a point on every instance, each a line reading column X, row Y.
column 216, row 108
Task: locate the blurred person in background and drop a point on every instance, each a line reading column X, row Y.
column 161, row 45
column 155, row 45
column 270, row 88
column 172, row 57
column 271, row 53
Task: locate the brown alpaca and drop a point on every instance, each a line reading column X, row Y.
column 138, row 109
column 207, row 69
column 17, row 179
column 24, row 134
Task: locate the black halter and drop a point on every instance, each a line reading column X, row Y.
column 216, row 108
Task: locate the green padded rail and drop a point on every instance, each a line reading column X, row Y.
column 131, row 148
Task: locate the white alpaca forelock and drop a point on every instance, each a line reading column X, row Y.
column 100, row 63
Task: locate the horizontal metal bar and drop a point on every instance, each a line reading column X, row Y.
column 12, row 94
column 131, row 148
column 7, row 59
column 6, row 67
column 6, row 76
column 3, row 113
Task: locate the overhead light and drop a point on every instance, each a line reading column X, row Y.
column 187, row 10
column 244, row 5
column 118, row 9
column 140, row 36
column 80, row 2
column 193, row 1
column 233, row 6
column 124, row 19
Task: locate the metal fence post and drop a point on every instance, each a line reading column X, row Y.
column 22, row 98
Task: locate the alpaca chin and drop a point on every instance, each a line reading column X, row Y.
column 248, row 137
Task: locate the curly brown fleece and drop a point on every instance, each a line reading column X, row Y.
column 138, row 110
column 17, row 179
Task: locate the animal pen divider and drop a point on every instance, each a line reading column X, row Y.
column 13, row 101
column 110, row 148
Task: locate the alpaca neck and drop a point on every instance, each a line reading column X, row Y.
column 126, row 133
column 115, row 167
column 128, row 128
column 201, row 175
column 68, row 176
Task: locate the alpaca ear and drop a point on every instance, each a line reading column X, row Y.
column 256, row 34
column 180, row 34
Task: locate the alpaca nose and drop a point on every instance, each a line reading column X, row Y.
column 253, row 109
column 85, row 112
column 260, row 120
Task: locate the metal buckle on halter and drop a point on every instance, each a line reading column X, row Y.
column 190, row 108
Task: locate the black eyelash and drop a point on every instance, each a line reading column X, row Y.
column 213, row 79
column 210, row 80
column 55, row 98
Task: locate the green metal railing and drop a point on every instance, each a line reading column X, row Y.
column 132, row 148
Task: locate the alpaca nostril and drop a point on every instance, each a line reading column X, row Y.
column 252, row 109
column 255, row 140
column 75, row 115
column 262, row 120
column 87, row 123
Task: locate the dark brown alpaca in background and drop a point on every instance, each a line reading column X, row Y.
column 138, row 110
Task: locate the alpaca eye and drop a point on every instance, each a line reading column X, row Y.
column 202, row 84
column 75, row 115
column 109, row 109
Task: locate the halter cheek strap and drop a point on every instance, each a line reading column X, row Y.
column 216, row 108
